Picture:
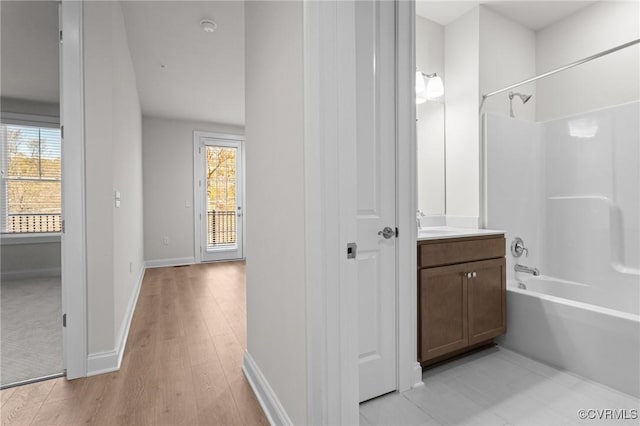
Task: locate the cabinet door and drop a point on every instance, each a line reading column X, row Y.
column 487, row 300
column 443, row 311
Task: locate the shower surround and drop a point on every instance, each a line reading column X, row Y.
column 570, row 188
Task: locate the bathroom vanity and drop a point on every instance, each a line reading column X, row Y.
column 461, row 291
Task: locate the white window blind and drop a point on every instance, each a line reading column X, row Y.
column 31, row 179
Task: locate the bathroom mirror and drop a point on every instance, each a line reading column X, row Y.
column 430, row 122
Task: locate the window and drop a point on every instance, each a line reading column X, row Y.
column 31, row 179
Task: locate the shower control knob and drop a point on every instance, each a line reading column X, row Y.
column 517, row 247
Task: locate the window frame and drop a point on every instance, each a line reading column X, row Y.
column 32, row 120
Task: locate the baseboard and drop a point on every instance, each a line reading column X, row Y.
column 126, row 324
column 109, row 361
column 178, row 261
column 417, row 375
column 31, row 273
column 266, row 396
column 102, row 362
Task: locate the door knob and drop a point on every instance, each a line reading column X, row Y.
column 387, row 232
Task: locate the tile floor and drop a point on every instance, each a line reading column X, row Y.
column 497, row 387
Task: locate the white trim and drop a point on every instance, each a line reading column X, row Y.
column 33, row 120
column 329, row 154
column 417, row 376
column 26, row 238
column 316, row 16
column 177, row 261
column 267, row 398
column 109, row 361
column 126, row 324
column 409, row 372
column 343, row 153
column 332, row 370
column 102, row 362
column 223, row 136
column 197, row 210
column 31, row 273
column 73, row 249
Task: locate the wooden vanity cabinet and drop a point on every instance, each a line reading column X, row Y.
column 461, row 295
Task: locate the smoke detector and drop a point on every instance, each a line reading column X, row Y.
column 208, row 25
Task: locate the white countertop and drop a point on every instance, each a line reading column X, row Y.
column 441, row 232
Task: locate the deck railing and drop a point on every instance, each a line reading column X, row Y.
column 221, row 227
column 34, row 222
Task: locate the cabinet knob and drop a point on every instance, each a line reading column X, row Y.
column 468, row 274
column 474, row 275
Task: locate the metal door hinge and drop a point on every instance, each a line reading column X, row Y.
column 62, row 132
column 396, row 232
column 60, row 36
column 64, row 320
column 62, row 225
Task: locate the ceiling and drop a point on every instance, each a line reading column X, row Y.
column 29, row 51
column 534, row 15
column 181, row 71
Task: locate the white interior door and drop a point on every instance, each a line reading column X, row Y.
column 220, row 210
column 376, row 203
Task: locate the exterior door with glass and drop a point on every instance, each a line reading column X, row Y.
column 219, row 202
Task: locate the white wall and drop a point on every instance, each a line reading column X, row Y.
column 30, row 51
column 168, row 186
column 507, row 56
column 276, row 302
column 430, row 125
column 113, row 161
column 607, row 81
column 22, row 257
column 462, row 124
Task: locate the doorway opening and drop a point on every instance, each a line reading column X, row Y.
column 219, row 195
column 30, row 195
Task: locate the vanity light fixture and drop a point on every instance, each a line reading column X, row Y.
column 208, row 25
column 433, row 90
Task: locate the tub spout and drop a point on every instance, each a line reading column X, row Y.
column 527, row 269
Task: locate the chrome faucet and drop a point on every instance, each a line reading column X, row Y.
column 419, row 215
column 527, row 269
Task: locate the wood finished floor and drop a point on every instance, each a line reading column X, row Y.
column 182, row 363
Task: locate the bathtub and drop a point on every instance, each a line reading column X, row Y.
column 563, row 324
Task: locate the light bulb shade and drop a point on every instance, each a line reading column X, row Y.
column 419, row 82
column 435, row 87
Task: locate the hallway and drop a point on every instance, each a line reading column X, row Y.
column 182, row 363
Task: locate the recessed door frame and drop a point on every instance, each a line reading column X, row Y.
column 73, row 237
column 198, row 169
column 332, row 379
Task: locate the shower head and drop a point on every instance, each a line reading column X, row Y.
column 524, row 98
